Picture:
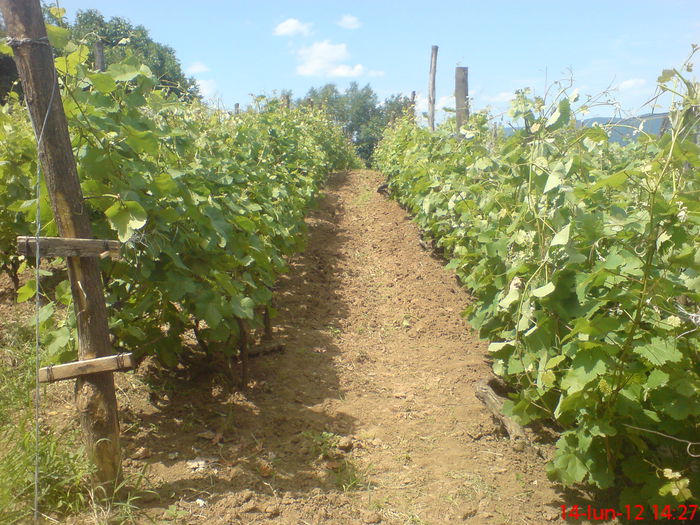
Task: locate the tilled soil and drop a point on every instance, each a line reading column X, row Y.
column 368, row 416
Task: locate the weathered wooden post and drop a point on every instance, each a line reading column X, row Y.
column 98, row 50
column 412, row 109
column 431, row 88
column 236, row 108
column 94, row 394
column 461, row 97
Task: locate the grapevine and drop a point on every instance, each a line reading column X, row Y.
column 581, row 255
column 207, row 204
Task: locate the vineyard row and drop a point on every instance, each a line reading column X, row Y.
column 582, row 258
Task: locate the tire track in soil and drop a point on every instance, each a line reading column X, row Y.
column 376, row 354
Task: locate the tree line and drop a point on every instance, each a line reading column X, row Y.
column 120, row 39
column 359, row 112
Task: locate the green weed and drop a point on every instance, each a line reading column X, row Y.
column 63, row 469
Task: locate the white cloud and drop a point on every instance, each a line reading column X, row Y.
column 446, row 101
column 326, row 59
column 632, row 83
column 208, row 88
column 503, row 96
column 196, row 68
column 349, row 22
column 421, row 103
column 293, row 27
column 344, row 70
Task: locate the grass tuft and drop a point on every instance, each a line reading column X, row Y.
column 64, row 471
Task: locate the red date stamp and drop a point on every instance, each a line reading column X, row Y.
column 631, row 513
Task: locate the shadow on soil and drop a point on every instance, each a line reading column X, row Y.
column 207, row 440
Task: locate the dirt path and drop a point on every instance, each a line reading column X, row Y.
column 369, row 416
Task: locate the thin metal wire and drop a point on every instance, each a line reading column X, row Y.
column 37, row 302
column 17, row 42
column 690, row 444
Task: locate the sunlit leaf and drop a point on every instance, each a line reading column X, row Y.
column 58, row 36
column 545, row 290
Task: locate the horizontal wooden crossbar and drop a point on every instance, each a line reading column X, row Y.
column 67, row 247
column 112, row 363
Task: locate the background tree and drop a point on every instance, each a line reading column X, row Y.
column 359, row 112
column 330, row 99
column 122, row 39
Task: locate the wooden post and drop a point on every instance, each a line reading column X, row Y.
column 67, row 247
column 413, row 106
column 461, row 97
column 99, row 51
column 116, row 363
column 94, row 394
column 431, row 88
column 267, row 325
column 236, row 108
column 244, row 348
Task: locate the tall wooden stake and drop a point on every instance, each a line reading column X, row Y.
column 99, row 50
column 461, row 96
column 413, row 106
column 431, row 88
column 94, row 394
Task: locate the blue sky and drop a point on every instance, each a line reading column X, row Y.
column 239, row 48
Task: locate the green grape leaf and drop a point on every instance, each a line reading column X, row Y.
column 26, row 291
column 596, row 134
column 659, row 351
column 56, row 346
column 243, row 307
column 585, row 367
column 122, row 72
column 142, row 141
column 512, row 296
column 126, row 217
column 245, row 223
column 103, row 82
column 545, row 290
column 657, row 378
column 562, row 236
column 561, row 115
column 68, row 65
column 567, row 468
column 58, row 36
column 612, row 181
